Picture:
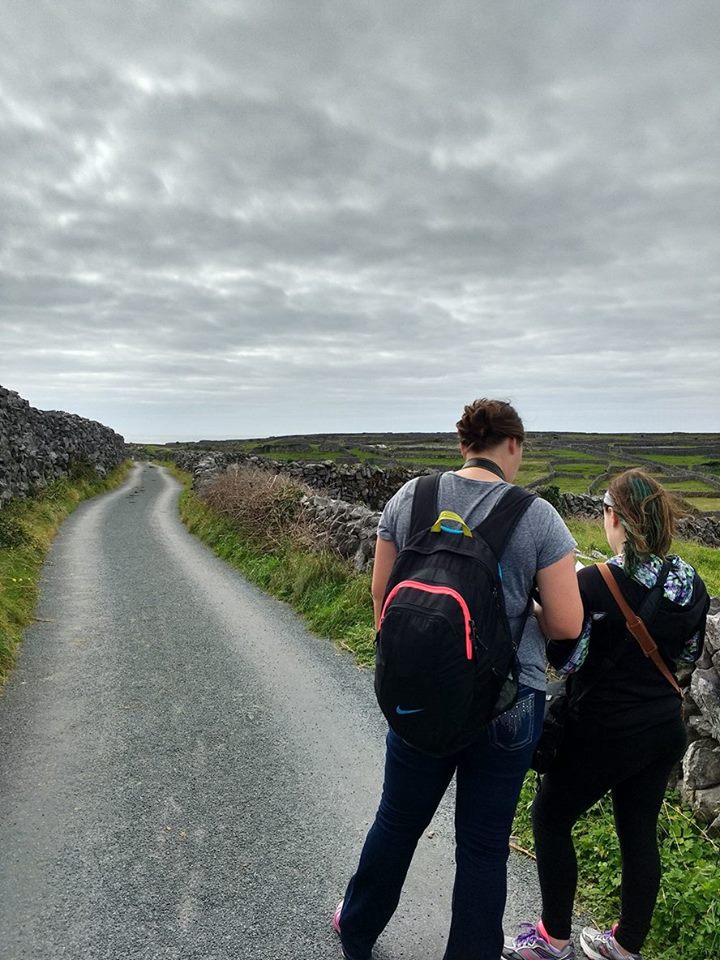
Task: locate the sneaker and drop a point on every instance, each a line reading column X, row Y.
column 602, row 945
column 531, row 944
column 336, row 917
column 336, row 928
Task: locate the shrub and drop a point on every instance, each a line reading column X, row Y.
column 551, row 493
column 264, row 507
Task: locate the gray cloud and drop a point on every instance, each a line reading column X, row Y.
column 244, row 218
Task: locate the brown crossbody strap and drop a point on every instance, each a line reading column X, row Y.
column 637, row 628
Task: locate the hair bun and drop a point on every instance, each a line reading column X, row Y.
column 485, row 423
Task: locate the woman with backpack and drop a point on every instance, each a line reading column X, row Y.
column 490, row 769
column 624, row 732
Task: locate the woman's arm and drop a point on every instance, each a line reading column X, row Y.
column 560, row 612
column 385, row 553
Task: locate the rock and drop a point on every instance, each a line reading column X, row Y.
column 712, row 634
column 705, row 689
column 699, row 728
column 39, row 446
column 701, row 764
column 706, row 803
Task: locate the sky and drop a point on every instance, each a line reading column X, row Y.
column 246, row 218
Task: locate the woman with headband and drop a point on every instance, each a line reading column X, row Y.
column 625, row 731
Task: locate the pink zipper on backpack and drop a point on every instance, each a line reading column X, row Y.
column 430, row 588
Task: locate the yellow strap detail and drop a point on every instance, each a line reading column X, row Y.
column 449, row 515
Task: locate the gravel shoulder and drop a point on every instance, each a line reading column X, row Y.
column 185, row 770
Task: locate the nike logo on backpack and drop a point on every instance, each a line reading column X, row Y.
column 399, row 710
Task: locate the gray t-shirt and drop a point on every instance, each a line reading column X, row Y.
column 539, row 540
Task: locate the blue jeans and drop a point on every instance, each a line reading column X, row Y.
column 490, row 774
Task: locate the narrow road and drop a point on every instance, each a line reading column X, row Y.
column 185, row 771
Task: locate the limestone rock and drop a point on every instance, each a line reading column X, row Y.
column 39, row 446
column 705, row 689
column 712, row 634
column 701, row 764
column 706, row 803
column 699, row 728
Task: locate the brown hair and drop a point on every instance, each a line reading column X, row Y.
column 648, row 514
column 486, row 423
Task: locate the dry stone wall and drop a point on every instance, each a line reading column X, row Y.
column 373, row 486
column 703, row 529
column 368, row 484
column 700, row 783
column 38, row 446
column 349, row 528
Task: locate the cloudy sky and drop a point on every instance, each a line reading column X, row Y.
column 239, row 218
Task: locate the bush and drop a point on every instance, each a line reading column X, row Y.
column 551, row 493
column 264, row 507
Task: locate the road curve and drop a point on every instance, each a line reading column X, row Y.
column 185, row 771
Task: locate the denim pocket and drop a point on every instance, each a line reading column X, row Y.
column 515, row 729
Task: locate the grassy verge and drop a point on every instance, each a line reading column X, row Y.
column 335, row 602
column 27, row 528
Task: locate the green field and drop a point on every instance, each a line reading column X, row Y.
column 569, row 461
column 704, row 504
column 694, row 485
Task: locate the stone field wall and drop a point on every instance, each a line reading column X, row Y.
column 38, row 446
column 341, row 520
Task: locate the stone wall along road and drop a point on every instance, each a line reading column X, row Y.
column 38, row 446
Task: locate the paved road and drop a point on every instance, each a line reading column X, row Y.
column 185, row 771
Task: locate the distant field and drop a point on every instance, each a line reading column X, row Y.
column 685, row 485
column 686, row 463
column 704, row 504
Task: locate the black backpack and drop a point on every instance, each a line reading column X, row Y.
column 445, row 661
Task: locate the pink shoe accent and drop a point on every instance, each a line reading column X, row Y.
column 546, row 936
column 336, row 917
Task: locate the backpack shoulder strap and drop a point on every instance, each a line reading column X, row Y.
column 424, row 505
column 499, row 524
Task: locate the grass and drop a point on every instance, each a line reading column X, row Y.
column 27, row 528
column 693, row 459
column 590, row 469
column 686, row 485
column 573, row 455
column 572, row 484
column 705, row 504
